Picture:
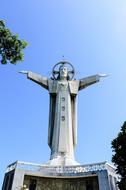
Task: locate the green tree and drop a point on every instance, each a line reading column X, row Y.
column 119, row 156
column 10, row 46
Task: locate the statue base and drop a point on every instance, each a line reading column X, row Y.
column 61, row 161
column 28, row 176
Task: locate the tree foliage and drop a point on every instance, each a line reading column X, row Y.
column 119, row 156
column 10, row 46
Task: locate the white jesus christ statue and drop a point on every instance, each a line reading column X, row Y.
column 62, row 131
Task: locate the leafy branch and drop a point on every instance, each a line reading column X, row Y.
column 10, row 46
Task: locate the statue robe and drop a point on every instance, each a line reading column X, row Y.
column 62, row 132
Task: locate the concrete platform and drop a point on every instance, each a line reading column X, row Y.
column 97, row 176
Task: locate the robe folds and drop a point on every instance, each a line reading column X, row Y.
column 62, row 131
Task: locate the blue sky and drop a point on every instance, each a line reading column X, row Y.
column 91, row 34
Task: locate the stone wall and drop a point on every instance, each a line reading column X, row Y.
column 44, row 183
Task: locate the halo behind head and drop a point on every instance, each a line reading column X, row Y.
column 56, row 70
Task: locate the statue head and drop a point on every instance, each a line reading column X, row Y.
column 63, row 72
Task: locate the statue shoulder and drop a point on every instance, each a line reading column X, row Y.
column 74, row 86
column 53, row 85
column 74, row 82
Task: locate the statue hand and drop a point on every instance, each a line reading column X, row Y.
column 23, row 72
column 102, row 75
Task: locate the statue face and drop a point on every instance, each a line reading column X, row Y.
column 63, row 72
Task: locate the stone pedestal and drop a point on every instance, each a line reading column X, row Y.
column 99, row 176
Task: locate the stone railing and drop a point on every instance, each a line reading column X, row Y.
column 60, row 170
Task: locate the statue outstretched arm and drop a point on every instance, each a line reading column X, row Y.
column 37, row 78
column 85, row 82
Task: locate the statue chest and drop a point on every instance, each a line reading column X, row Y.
column 60, row 86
